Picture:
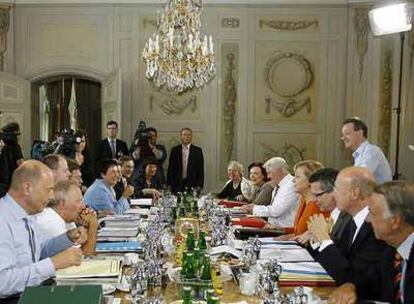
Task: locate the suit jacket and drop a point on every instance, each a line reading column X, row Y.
column 339, row 227
column 387, row 274
column 195, row 168
column 104, row 151
column 358, row 263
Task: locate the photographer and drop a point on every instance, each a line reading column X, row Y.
column 12, row 155
column 145, row 147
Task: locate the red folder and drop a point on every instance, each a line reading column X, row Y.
column 249, row 222
column 231, row 204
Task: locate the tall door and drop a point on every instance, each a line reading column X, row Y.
column 15, row 106
column 111, row 99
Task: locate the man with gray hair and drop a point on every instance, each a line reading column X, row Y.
column 64, row 209
column 285, row 201
column 391, row 214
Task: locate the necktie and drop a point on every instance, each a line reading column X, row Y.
column 351, row 232
column 31, row 239
column 397, row 279
column 113, row 148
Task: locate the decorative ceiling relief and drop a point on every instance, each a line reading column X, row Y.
column 301, row 77
column 386, row 102
column 172, row 106
column 361, row 27
column 230, row 23
column 4, row 28
column 286, row 25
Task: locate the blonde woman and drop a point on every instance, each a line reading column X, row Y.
column 236, row 185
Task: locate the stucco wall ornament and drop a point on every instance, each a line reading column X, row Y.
column 300, row 74
column 286, row 25
column 300, row 79
column 290, row 152
column 386, row 103
column 4, row 28
column 290, row 107
column 361, row 27
column 172, row 106
column 229, row 110
column 230, row 23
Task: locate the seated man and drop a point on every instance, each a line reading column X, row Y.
column 127, row 168
column 64, row 210
column 101, row 195
column 356, row 255
column 391, row 214
column 27, row 255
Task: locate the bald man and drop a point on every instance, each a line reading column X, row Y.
column 354, row 257
column 27, row 256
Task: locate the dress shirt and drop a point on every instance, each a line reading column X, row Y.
column 334, row 215
column 404, row 250
column 281, row 212
column 51, row 222
column 358, row 219
column 372, row 157
column 100, row 196
column 17, row 268
column 185, row 150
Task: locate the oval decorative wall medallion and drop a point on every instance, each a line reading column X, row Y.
column 288, row 74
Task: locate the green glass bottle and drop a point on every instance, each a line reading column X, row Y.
column 184, row 264
column 190, row 242
column 190, row 270
column 202, row 244
column 205, row 269
column 196, row 260
column 213, row 300
column 209, row 293
column 187, row 296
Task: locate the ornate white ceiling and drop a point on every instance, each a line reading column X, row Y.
column 242, row 2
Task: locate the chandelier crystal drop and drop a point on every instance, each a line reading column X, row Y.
column 177, row 57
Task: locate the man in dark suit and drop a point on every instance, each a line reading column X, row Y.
column 392, row 217
column 186, row 164
column 111, row 147
column 356, row 256
column 127, row 167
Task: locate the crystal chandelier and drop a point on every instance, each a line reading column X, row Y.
column 177, row 57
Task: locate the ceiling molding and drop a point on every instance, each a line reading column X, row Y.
column 207, row 2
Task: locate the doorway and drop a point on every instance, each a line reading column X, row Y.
column 67, row 102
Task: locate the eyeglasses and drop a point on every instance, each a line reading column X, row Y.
column 320, row 193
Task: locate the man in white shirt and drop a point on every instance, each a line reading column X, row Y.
column 356, row 256
column 354, row 136
column 65, row 208
column 285, row 201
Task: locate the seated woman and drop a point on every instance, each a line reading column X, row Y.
column 308, row 206
column 262, row 193
column 146, row 183
column 83, row 158
column 237, row 185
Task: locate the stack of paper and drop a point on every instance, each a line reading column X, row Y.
column 91, row 269
column 118, row 247
column 305, row 273
column 142, row 202
column 286, row 254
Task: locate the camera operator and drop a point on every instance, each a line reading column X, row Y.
column 145, row 147
column 12, row 155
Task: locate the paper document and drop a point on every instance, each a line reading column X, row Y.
column 286, row 255
column 225, row 249
column 88, row 269
column 141, row 202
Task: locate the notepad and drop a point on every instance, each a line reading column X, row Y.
column 88, row 269
column 144, row 202
column 118, row 247
column 286, row 254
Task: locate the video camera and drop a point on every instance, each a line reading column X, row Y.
column 64, row 145
column 141, row 140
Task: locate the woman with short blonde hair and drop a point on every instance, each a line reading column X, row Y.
column 232, row 190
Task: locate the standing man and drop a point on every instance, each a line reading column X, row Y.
column 354, row 136
column 27, row 255
column 186, row 164
column 111, row 147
